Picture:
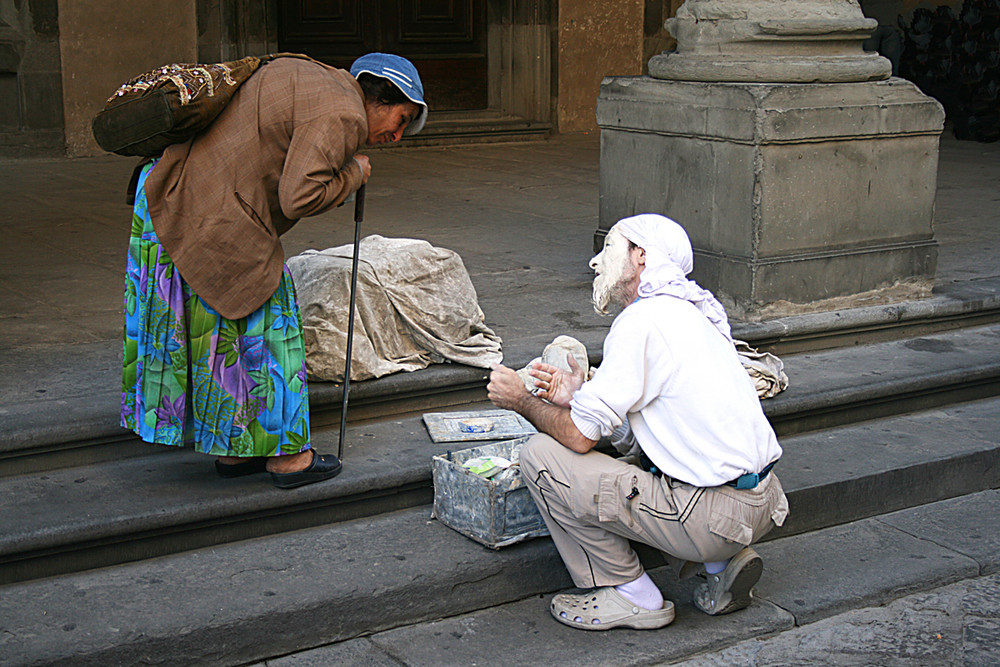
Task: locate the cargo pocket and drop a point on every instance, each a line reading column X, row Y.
column 612, row 499
column 779, row 503
column 730, row 528
column 621, row 493
column 734, row 514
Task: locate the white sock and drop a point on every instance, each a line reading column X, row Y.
column 642, row 592
column 717, row 567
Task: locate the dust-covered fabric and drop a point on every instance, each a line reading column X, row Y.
column 415, row 306
column 766, row 370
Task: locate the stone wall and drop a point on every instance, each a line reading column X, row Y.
column 595, row 39
column 31, row 110
column 61, row 59
column 103, row 43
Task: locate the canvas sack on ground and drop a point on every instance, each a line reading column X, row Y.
column 415, row 306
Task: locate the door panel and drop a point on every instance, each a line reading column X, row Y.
column 445, row 39
column 422, row 24
column 326, row 30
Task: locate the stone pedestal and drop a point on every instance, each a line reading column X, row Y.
column 797, row 196
column 791, row 194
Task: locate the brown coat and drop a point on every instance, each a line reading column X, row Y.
column 281, row 150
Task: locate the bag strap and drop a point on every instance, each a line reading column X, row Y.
column 133, row 183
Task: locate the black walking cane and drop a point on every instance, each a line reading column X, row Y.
column 359, row 215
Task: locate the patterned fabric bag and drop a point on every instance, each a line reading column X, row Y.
column 170, row 104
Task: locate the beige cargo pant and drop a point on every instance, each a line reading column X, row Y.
column 594, row 504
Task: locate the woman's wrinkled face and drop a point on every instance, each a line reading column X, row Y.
column 614, row 273
column 386, row 122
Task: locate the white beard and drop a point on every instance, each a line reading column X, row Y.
column 611, row 290
column 614, row 271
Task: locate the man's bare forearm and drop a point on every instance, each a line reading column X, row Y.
column 554, row 421
column 506, row 390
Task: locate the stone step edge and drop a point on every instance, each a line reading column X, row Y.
column 789, row 413
column 374, row 488
column 117, row 616
column 955, row 306
column 951, row 305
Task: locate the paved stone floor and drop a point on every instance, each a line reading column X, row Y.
column 522, row 216
column 954, row 625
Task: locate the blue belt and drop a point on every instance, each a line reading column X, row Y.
column 747, row 481
column 751, row 479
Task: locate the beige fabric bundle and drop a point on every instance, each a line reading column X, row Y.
column 766, row 370
column 415, row 306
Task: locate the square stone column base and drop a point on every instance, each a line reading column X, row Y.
column 796, row 197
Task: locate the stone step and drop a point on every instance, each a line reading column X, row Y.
column 399, row 581
column 86, row 400
column 465, row 127
column 141, row 507
column 839, row 386
column 86, row 429
column 73, row 424
column 953, row 305
column 807, row 579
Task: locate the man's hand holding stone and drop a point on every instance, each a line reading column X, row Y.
column 556, row 385
column 506, row 390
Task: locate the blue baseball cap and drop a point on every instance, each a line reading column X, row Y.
column 400, row 72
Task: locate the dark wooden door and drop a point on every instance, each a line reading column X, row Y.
column 445, row 39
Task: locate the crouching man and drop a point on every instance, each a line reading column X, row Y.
column 672, row 390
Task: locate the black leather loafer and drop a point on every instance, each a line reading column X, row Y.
column 245, row 467
column 323, row 466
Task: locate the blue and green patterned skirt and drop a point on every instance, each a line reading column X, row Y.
column 228, row 387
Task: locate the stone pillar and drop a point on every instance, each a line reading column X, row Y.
column 804, row 175
column 785, row 41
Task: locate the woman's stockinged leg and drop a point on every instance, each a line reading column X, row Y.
column 290, row 462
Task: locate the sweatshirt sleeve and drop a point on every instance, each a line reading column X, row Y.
column 621, row 383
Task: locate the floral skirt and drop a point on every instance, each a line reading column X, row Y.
column 227, row 387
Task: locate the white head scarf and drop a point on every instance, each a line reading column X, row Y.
column 669, row 259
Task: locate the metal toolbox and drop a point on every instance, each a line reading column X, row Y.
column 493, row 512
